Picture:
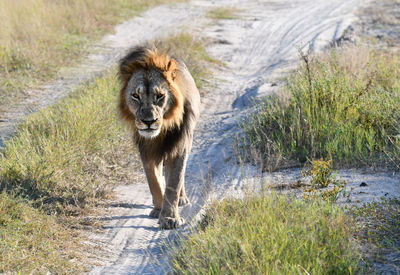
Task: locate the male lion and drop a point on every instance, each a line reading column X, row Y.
column 161, row 102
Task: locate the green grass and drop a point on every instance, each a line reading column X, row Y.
column 32, row 242
column 269, row 234
column 37, row 37
column 341, row 106
column 223, row 13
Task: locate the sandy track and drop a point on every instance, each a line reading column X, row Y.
column 256, row 48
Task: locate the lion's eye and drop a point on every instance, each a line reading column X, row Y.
column 160, row 97
column 135, row 96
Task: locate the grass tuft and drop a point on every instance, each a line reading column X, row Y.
column 268, row 235
column 341, row 106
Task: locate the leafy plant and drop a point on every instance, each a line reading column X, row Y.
column 324, row 182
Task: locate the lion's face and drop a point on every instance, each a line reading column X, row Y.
column 149, row 98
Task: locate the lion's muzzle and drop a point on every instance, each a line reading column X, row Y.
column 148, row 128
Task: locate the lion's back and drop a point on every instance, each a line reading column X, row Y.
column 188, row 88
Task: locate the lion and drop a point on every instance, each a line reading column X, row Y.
column 160, row 101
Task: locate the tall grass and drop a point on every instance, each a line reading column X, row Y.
column 342, row 106
column 39, row 36
column 269, row 235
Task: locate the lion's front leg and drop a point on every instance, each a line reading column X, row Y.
column 175, row 172
column 156, row 182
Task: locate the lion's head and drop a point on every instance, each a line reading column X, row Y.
column 150, row 99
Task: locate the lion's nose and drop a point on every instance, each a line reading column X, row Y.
column 149, row 122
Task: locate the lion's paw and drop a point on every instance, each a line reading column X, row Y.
column 155, row 213
column 171, row 223
column 183, row 201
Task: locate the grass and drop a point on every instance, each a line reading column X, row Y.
column 37, row 37
column 223, row 13
column 341, row 106
column 269, row 234
column 32, row 242
column 66, row 158
column 68, row 155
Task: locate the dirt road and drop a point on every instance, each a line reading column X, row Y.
column 258, row 46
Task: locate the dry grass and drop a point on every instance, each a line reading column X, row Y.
column 39, row 36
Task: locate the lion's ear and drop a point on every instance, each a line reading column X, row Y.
column 172, row 68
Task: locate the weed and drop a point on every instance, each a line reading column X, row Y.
column 324, row 183
column 379, row 223
column 269, row 235
column 341, row 106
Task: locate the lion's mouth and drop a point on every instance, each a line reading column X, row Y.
column 149, row 132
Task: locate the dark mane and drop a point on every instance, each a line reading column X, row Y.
column 181, row 119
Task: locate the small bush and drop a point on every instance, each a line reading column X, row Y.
column 342, row 106
column 269, row 235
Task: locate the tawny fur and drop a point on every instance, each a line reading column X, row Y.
column 170, row 149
